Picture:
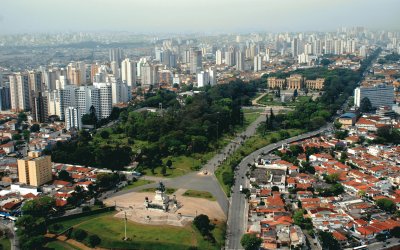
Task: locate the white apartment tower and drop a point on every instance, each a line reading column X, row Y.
column 104, row 99
column 203, row 79
column 257, row 63
column 213, row 76
column 72, row 118
column 218, row 57
column 120, row 92
column 19, row 92
column 128, row 72
column 240, row 56
column 147, row 74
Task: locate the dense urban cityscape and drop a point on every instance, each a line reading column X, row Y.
column 200, row 140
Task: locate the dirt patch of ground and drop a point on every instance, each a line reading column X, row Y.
column 189, row 207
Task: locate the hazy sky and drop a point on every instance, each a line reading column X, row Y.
column 17, row 16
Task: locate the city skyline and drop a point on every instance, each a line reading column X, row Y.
column 178, row 16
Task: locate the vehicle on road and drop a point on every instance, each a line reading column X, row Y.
column 240, row 188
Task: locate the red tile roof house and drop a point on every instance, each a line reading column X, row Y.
column 10, row 206
column 366, row 124
column 84, row 184
column 62, row 196
column 8, row 147
column 340, row 238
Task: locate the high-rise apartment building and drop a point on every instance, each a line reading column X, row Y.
column 35, row 81
column 195, row 61
column 128, row 72
column 39, row 107
column 230, row 59
column 104, row 99
column 76, row 73
column 240, row 56
column 115, row 69
column 213, row 76
column 34, row 170
column 329, row 47
column 5, row 102
column 203, row 79
column 49, row 78
column 20, row 92
column 295, row 47
column 120, row 92
column 147, row 77
column 72, row 118
column 218, row 57
column 116, row 55
column 317, row 47
column 257, row 63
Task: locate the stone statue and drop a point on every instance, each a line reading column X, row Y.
column 161, row 187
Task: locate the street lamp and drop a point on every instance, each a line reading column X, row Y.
column 125, row 227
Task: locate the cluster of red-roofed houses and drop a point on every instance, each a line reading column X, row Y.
column 13, row 194
column 367, row 173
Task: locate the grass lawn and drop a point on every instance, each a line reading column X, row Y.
column 199, row 194
column 252, row 144
column 137, row 183
column 181, row 165
column 5, row 242
column 59, row 245
column 69, row 223
column 111, row 232
column 152, row 190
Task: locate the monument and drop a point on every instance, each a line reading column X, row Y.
column 161, row 200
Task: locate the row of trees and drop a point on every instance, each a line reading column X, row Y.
column 81, row 151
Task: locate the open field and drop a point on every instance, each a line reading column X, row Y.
column 71, row 222
column 181, row 165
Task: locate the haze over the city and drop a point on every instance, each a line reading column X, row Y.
column 182, row 16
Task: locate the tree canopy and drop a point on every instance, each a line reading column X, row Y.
column 41, row 207
column 386, row 204
column 250, row 242
column 365, row 105
column 328, row 241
